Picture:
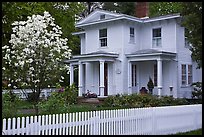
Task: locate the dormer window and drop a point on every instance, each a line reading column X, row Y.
column 103, row 37
column 156, row 37
column 102, row 16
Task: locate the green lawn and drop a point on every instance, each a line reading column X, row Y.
column 194, row 132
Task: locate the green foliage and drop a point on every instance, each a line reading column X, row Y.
column 164, row 8
column 59, row 102
column 120, row 7
column 197, row 93
column 192, row 21
column 138, row 101
column 9, row 105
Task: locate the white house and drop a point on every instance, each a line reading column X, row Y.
column 120, row 52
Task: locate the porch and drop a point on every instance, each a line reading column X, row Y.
column 95, row 72
column 158, row 65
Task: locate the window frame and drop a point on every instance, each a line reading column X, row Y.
column 103, row 39
column 186, row 74
column 156, row 39
column 132, row 35
column 102, row 16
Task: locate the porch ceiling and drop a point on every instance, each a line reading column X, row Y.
column 150, row 54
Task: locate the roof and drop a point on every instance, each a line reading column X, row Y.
column 145, row 52
column 96, row 54
column 117, row 16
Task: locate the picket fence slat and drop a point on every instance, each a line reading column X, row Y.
column 132, row 121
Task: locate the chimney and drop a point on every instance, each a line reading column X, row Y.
column 142, row 9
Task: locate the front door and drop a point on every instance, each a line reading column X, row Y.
column 106, row 79
column 134, row 78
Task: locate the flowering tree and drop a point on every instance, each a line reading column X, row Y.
column 35, row 54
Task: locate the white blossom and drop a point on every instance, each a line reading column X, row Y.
column 32, row 40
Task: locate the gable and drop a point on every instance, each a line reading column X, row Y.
column 95, row 16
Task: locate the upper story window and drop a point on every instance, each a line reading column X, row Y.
column 132, row 35
column 156, row 37
column 103, row 37
column 186, row 74
column 187, row 44
column 102, row 16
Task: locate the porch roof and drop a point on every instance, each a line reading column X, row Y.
column 150, row 54
column 146, row 52
column 93, row 56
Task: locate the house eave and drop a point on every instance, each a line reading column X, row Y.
column 150, row 54
column 130, row 18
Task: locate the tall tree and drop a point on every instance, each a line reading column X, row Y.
column 120, row 7
column 65, row 14
column 192, row 21
column 163, row 8
column 34, row 55
column 89, row 7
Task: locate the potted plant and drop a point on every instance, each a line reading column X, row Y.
column 150, row 85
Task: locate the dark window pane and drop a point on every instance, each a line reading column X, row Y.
column 103, row 33
column 132, row 31
column 157, row 32
column 102, row 16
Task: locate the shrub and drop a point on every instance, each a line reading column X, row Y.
column 138, row 100
column 59, row 101
column 9, row 105
column 197, row 93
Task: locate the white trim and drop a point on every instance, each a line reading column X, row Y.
column 130, row 18
column 78, row 33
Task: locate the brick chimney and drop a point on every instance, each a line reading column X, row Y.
column 142, row 9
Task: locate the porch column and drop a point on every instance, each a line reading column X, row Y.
column 80, row 78
column 101, row 86
column 159, row 76
column 129, row 77
column 71, row 77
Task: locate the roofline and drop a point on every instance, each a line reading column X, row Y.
column 95, row 55
column 98, row 10
column 151, row 54
column 78, row 33
column 131, row 18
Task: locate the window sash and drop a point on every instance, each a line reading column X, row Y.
column 102, row 16
column 189, row 74
column 156, row 42
column 132, row 34
column 183, row 74
column 102, row 33
column 103, row 42
column 157, row 32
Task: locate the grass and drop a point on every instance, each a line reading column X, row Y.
column 193, row 132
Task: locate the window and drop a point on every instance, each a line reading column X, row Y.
column 155, row 74
column 189, row 74
column 186, row 75
column 187, row 44
column 183, row 75
column 156, row 41
column 132, row 35
column 103, row 37
column 134, row 75
column 102, row 16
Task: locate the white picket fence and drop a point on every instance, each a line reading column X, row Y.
column 134, row 121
